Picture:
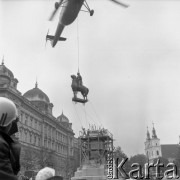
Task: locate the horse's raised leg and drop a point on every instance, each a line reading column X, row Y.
column 75, row 94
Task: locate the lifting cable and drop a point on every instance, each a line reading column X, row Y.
column 92, row 121
column 85, row 113
column 78, row 41
column 96, row 114
column 77, row 114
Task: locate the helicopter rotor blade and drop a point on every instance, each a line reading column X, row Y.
column 52, row 15
column 120, row 3
column 57, row 5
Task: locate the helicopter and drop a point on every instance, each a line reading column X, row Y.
column 69, row 12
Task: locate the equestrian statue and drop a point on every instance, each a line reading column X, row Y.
column 77, row 86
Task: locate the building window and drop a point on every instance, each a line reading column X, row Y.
column 21, row 119
column 35, row 125
column 35, row 140
column 39, row 141
column 39, row 126
column 158, row 153
column 26, row 120
column 45, row 129
column 45, row 143
column 30, row 138
column 31, row 122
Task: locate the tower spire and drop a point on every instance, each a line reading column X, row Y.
column 78, row 70
column 2, row 60
column 36, row 85
column 148, row 134
column 154, row 132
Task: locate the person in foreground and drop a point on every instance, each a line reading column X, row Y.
column 47, row 174
column 9, row 149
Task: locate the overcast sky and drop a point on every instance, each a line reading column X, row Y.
column 129, row 59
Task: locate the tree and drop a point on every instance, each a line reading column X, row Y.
column 120, row 155
column 45, row 158
column 163, row 161
column 29, row 159
column 139, row 159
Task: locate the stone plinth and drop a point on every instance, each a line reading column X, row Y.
column 90, row 172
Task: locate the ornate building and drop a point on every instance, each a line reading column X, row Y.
column 45, row 139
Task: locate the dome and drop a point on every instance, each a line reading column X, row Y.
column 5, row 71
column 62, row 118
column 36, row 94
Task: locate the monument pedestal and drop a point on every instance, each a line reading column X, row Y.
column 90, row 172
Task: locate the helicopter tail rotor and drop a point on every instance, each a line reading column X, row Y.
column 46, row 37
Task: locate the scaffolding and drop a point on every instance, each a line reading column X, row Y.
column 95, row 145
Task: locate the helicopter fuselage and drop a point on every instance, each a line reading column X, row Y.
column 69, row 12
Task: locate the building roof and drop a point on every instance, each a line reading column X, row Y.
column 63, row 118
column 36, row 94
column 5, row 71
column 170, row 150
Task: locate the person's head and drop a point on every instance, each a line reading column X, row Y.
column 45, row 173
column 8, row 114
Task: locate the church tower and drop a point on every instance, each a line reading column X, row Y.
column 148, row 144
column 152, row 145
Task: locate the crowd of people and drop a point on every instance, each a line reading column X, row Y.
column 10, row 148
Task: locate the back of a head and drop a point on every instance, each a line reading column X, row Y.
column 8, row 112
column 45, row 173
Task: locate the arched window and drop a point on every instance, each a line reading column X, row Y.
column 39, row 142
column 25, row 136
column 30, row 140
column 157, row 153
column 28, row 137
column 34, row 139
column 147, row 154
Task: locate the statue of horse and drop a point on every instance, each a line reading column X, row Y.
column 76, row 88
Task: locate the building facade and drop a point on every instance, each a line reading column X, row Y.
column 45, row 139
